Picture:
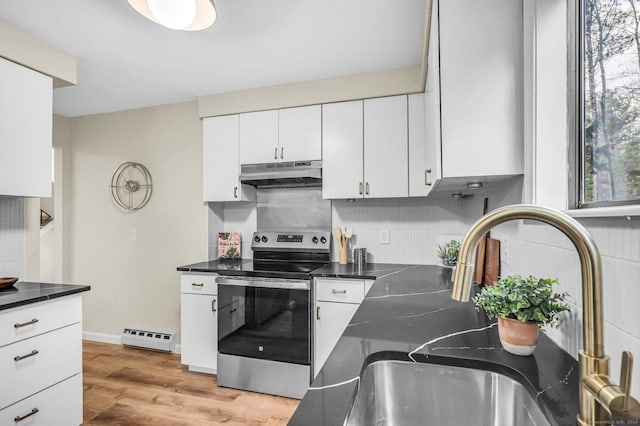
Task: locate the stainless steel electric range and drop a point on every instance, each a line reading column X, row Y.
column 265, row 314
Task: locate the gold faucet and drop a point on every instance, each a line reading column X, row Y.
column 600, row 399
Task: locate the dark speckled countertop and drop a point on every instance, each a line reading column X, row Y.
column 409, row 311
column 24, row 293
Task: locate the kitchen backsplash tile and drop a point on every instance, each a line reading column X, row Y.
column 414, row 226
column 11, row 236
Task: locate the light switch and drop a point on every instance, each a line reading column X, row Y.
column 132, row 234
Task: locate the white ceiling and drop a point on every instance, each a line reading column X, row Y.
column 126, row 61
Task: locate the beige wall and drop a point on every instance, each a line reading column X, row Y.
column 135, row 283
column 52, row 243
column 25, row 49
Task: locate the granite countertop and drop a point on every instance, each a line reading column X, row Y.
column 24, row 293
column 217, row 266
column 409, row 312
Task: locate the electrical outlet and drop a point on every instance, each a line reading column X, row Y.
column 384, row 236
column 503, row 251
column 133, row 234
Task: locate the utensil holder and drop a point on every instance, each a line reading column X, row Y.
column 343, row 254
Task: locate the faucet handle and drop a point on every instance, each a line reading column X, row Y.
column 625, row 377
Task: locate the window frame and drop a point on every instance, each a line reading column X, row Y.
column 576, row 111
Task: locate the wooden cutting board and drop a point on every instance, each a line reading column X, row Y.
column 487, row 257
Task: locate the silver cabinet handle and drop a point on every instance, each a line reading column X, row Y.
column 366, row 191
column 235, row 192
column 318, row 312
column 282, row 153
column 334, row 291
column 427, row 182
column 21, row 418
column 360, row 188
column 197, row 284
column 29, row 355
column 275, row 153
column 24, row 324
column 213, row 305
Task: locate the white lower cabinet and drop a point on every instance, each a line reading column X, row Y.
column 199, row 322
column 332, row 319
column 41, row 363
column 58, row 405
column 336, row 302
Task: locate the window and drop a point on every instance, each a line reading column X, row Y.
column 609, row 88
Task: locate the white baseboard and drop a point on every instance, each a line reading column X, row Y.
column 101, row 337
column 203, row 370
column 113, row 339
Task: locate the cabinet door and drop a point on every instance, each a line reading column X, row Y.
column 386, row 169
column 481, row 87
column 259, row 137
column 199, row 331
column 419, row 173
column 221, row 161
column 26, row 114
column 300, row 133
column 331, row 321
column 432, row 136
column 342, row 153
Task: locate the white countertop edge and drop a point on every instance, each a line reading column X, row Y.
column 616, row 211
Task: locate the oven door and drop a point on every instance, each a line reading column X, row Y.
column 265, row 318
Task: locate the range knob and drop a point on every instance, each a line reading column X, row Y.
column 264, row 239
column 256, row 238
column 315, row 240
column 323, row 240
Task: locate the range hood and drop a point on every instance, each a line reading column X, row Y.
column 284, row 174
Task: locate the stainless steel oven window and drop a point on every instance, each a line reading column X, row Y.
column 265, row 323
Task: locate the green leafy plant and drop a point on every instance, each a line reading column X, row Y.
column 524, row 299
column 448, row 252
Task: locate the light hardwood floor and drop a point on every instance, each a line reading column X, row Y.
column 125, row 386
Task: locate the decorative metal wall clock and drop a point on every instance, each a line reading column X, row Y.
column 131, row 186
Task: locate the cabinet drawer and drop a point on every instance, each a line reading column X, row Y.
column 347, row 291
column 59, row 405
column 46, row 359
column 198, row 283
column 32, row 320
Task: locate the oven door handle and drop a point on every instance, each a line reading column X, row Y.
column 265, row 283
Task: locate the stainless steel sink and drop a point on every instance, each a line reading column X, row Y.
column 405, row 393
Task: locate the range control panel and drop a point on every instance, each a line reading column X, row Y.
column 302, row 241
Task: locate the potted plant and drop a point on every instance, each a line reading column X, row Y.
column 448, row 253
column 521, row 305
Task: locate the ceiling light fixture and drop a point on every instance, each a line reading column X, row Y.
column 185, row 15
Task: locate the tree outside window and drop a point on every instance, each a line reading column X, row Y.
column 611, row 99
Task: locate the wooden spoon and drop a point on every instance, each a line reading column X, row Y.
column 337, row 234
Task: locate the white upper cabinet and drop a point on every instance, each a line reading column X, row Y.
column 290, row 134
column 473, row 99
column 300, row 134
column 481, row 87
column 26, row 114
column 424, row 152
column 385, row 147
column 364, row 148
column 221, row 162
column 342, row 150
column 259, row 137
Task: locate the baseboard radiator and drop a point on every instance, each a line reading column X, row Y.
column 146, row 339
